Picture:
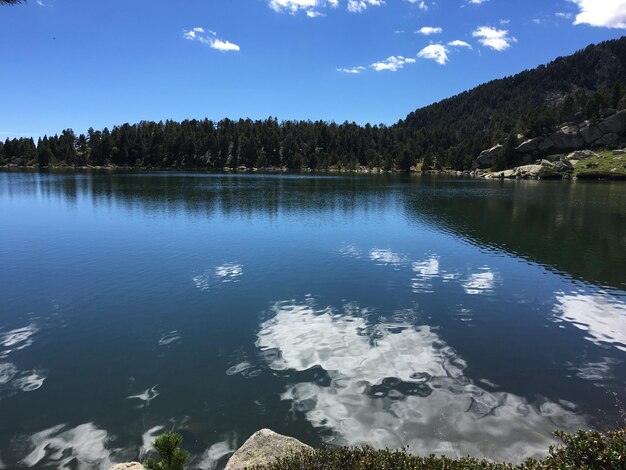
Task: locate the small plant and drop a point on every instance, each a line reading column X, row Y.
column 172, row 456
column 586, row 450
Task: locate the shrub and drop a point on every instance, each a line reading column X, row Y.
column 172, row 456
column 584, row 450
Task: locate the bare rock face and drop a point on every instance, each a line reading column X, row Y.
column 607, row 139
column 529, row 145
column 262, row 448
column 487, row 158
column 127, row 466
column 590, row 134
column 566, row 138
column 615, row 124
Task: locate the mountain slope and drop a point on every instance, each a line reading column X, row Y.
column 532, row 102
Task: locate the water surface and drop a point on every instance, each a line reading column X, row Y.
column 453, row 316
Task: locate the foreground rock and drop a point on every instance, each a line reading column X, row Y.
column 128, row 466
column 262, row 448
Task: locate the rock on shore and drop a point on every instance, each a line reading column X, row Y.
column 262, row 448
column 127, row 466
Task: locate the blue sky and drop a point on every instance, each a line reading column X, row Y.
column 76, row 63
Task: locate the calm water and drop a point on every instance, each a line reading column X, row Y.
column 452, row 316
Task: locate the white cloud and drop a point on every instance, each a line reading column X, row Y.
column 459, row 43
column 209, row 38
column 352, row 70
column 393, row 64
column 497, row 39
column 358, row 6
column 436, row 52
column 602, row 13
column 561, row 14
column 309, row 7
column 476, row 2
column 224, row 45
column 428, row 30
column 422, row 5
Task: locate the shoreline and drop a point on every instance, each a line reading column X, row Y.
column 479, row 174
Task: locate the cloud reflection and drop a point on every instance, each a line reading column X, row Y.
column 225, row 273
column 214, row 454
column 82, row 447
column 146, row 396
column 400, row 386
column 479, row 283
column 387, row 257
column 601, row 316
column 17, row 339
column 425, row 273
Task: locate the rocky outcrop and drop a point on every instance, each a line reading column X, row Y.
column 262, row 448
column 572, row 136
column 605, row 132
column 128, row 466
column 487, row 158
column 540, row 169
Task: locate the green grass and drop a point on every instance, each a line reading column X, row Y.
column 604, row 166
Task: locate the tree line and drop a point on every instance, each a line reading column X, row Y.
column 449, row 134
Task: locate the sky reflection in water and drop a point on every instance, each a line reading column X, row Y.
column 139, row 303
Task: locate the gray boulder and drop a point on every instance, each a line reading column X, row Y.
column 529, row 145
column 581, row 155
column 546, row 144
column 563, row 166
column 128, row 466
column 607, row 139
column 566, row 140
column 615, row 124
column 590, row 134
column 487, row 158
column 262, row 448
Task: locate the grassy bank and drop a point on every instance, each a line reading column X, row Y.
column 605, row 165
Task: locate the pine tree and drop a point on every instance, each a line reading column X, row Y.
column 172, row 456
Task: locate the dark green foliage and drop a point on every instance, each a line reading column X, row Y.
column 366, row 458
column 172, row 456
column 585, row 450
column 507, row 157
column 11, row 2
column 448, row 134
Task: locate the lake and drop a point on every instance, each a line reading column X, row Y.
column 454, row 316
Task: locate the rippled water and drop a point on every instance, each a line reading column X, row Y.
column 451, row 316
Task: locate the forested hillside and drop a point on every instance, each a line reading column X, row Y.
column 449, row 134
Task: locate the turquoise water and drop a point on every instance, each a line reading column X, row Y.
column 453, row 316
